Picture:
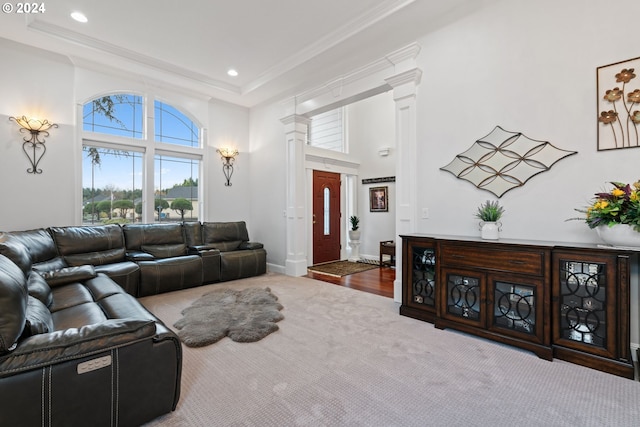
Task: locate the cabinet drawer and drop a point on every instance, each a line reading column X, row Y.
column 515, row 261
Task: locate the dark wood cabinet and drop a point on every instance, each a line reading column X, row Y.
column 591, row 309
column 568, row 302
column 419, row 275
column 496, row 291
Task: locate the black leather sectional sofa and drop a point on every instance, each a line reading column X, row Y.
column 76, row 347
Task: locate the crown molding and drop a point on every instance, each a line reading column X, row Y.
column 129, row 55
column 343, row 33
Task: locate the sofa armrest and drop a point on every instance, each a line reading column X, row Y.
column 74, row 343
column 136, row 256
column 250, row 245
column 67, row 275
column 197, row 249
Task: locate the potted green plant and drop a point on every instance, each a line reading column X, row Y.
column 354, row 233
column 489, row 214
column 615, row 215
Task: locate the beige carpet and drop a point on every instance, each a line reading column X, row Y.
column 341, row 268
column 346, row 358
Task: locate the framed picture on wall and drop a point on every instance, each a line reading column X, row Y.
column 378, row 199
column 618, row 98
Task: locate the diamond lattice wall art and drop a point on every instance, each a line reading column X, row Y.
column 504, row 160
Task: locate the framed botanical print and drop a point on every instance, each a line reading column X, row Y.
column 378, row 199
column 618, row 88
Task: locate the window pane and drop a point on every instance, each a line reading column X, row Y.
column 119, row 114
column 173, row 127
column 326, row 130
column 176, row 189
column 327, row 211
column 112, row 185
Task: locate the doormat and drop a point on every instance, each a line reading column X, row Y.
column 341, row 268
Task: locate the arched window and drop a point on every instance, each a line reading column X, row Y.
column 119, row 114
column 174, row 127
column 115, row 149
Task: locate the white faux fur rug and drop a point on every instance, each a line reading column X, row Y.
column 246, row 315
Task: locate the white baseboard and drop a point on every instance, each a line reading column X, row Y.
column 275, row 268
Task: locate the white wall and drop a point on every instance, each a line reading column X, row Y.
column 268, row 183
column 528, row 67
column 371, row 126
column 36, row 83
column 229, row 127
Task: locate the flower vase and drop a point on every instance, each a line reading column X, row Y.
column 622, row 235
column 490, row 230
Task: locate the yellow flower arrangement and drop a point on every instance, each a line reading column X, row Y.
column 621, row 205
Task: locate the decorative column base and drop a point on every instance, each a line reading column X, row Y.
column 355, row 250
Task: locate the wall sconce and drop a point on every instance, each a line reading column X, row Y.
column 228, row 156
column 34, row 142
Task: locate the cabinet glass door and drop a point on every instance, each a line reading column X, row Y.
column 517, row 306
column 464, row 300
column 583, row 303
column 423, row 276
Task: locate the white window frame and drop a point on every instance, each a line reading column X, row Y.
column 148, row 147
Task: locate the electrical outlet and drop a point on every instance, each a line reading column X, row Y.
column 425, row 213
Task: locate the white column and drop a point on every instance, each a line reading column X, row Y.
column 405, row 87
column 295, row 138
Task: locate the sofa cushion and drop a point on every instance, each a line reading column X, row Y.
column 225, row 236
column 71, row 295
column 97, row 245
column 109, row 256
column 16, row 251
column 78, row 316
column 137, row 235
column 13, row 303
column 165, row 251
column 193, row 233
column 240, row 264
column 38, row 318
column 38, row 288
column 40, row 244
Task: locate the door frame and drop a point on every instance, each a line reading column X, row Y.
column 318, row 160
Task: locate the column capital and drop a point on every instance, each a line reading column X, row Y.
column 412, row 76
column 295, row 119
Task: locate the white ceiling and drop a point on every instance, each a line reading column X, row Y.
column 279, row 47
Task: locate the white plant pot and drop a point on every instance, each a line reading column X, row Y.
column 619, row 235
column 354, row 235
column 490, row 230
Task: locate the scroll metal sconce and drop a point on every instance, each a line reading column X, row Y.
column 228, row 156
column 33, row 145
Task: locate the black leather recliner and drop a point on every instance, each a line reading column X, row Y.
column 239, row 257
column 161, row 252
column 101, row 246
column 76, row 349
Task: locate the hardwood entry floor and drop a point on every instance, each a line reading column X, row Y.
column 377, row 281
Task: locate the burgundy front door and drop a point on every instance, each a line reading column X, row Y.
column 326, row 216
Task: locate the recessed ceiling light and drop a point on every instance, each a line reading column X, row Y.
column 79, row 16
column 232, row 72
